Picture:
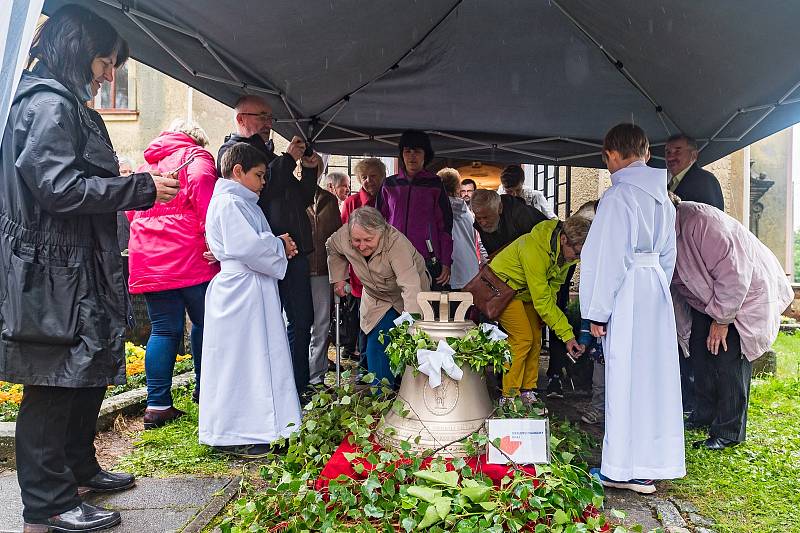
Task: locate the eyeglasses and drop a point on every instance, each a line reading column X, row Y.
column 266, row 117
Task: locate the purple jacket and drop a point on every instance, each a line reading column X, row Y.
column 724, row 271
column 420, row 209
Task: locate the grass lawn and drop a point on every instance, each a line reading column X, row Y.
column 174, row 449
column 788, row 349
column 754, row 487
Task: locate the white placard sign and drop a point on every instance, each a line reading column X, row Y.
column 525, row 440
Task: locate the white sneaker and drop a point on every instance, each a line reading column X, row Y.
column 529, row 398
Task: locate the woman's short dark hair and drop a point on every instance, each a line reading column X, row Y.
column 241, row 154
column 512, row 176
column 415, row 139
column 70, row 40
column 628, row 139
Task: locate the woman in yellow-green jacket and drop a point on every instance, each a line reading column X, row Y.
column 536, row 266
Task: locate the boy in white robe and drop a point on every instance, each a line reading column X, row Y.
column 248, row 397
column 627, row 264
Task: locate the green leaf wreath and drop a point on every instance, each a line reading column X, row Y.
column 475, row 350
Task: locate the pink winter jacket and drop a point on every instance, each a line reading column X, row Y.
column 168, row 240
column 724, row 271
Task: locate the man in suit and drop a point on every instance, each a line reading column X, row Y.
column 687, row 179
column 690, row 182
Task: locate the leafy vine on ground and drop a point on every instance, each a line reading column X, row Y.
column 399, row 493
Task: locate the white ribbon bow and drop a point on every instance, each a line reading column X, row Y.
column 404, row 318
column 494, row 333
column 431, row 363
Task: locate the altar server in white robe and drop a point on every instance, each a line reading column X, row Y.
column 626, row 267
column 248, row 397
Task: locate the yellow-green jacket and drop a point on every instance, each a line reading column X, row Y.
column 530, row 266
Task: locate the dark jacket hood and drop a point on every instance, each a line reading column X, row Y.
column 40, row 79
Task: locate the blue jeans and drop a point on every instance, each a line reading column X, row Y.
column 167, row 311
column 377, row 361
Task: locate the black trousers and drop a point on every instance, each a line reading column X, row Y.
column 55, row 447
column 687, row 381
column 295, row 290
column 721, row 382
column 580, row 372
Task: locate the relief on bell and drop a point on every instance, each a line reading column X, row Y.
column 443, row 399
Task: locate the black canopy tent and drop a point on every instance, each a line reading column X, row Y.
column 520, row 80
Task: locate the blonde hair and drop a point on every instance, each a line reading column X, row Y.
column 451, row 180
column 370, row 162
column 576, row 228
column 190, row 128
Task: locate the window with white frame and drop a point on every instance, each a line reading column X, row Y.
column 117, row 96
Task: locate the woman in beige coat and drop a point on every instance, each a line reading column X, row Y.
column 389, row 267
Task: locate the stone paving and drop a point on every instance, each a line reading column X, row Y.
column 153, row 505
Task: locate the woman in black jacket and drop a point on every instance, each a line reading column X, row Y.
column 63, row 301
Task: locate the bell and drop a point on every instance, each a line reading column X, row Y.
column 438, row 416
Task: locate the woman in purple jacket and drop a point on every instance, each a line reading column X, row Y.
column 415, row 202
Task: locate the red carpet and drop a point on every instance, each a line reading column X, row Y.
column 339, row 465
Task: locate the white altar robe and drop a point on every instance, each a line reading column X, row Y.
column 247, row 389
column 626, row 268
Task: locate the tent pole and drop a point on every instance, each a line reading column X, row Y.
column 160, row 43
column 344, row 103
column 396, row 64
column 523, row 152
column 294, row 118
column 242, row 84
column 342, row 140
column 369, row 137
column 617, row 63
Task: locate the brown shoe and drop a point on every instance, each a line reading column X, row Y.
column 156, row 418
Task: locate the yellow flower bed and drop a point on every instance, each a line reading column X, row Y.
column 10, row 392
column 134, row 365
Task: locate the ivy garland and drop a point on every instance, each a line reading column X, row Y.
column 475, row 350
column 400, row 495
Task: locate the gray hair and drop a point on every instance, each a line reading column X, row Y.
column 368, row 218
column 125, row 161
column 190, row 128
column 587, row 210
column 690, row 141
column 484, row 198
column 335, row 178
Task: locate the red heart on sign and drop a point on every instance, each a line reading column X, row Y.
column 509, row 446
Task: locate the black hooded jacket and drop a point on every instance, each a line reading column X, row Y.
column 284, row 199
column 64, row 303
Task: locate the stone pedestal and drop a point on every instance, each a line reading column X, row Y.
column 766, row 364
column 454, row 409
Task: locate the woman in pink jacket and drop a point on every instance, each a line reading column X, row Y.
column 731, row 292
column 167, row 262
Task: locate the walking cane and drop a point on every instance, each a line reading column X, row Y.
column 338, row 300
